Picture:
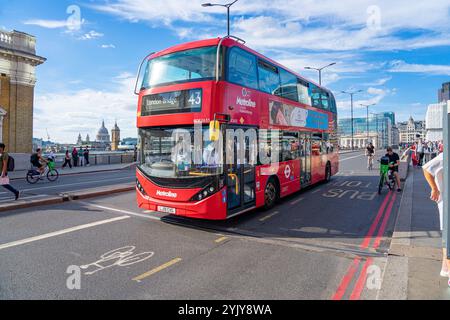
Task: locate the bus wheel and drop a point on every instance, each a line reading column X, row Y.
column 270, row 194
column 328, row 173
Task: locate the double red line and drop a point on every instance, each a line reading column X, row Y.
column 358, row 288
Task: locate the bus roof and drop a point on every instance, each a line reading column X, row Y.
column 228, row 42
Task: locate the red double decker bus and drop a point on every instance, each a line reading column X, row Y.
column 224, row 129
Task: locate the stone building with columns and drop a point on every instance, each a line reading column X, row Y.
column 18, row 61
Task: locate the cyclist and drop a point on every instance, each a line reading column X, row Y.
column 370, row 151
column 37, row 161
column 394, row 162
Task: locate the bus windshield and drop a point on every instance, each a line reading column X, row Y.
column 195, row 64
column 166, row 155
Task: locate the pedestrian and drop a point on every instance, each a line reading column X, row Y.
column 67, row 160
column 75, row 157
column 420, row 153
column 86, row 156
column 81, row 155
column 370, row 152
column 434, row 173
column 4, row 181
column 414, row 154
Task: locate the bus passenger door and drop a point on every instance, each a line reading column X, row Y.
column 240, row 178
column 305, row 158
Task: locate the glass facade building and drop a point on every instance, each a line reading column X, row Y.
column 380, row 128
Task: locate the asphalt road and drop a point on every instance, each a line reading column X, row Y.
column 66, row 183
column 326, row 242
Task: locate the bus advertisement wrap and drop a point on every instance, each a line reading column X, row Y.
column 288, row 115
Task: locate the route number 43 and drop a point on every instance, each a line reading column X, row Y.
column 195, row 98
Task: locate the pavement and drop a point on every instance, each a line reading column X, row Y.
column 329, row 241
column 21, row 174
column 81, row 182
column 415, row 254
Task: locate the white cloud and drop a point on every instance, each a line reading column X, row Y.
column 49, row 24
column 402, row 66
column 376, row 97
column 66, row 114
column 108, row 46
column 91, row 35
column 379, row 82
column 318, row 25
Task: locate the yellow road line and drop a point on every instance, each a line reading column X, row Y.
column 157, row 269
column 269, row 216
column 220, row 239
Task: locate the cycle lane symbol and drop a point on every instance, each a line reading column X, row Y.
column 121, row 257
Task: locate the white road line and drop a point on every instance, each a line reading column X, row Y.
column 61, row 232
column 123, row 211
column 297, row 201
column 315, row 191
column 361, row 155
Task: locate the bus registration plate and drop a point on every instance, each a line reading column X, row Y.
column 166, row 210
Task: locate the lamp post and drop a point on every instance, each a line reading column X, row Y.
column 320, row 70
column 352, row 93
column 225, row 6
column 367, row 117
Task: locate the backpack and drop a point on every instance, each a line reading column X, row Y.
column 34, row 158
column 10, row 165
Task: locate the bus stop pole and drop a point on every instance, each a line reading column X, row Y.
column 446, row 193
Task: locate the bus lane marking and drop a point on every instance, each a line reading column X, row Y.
column 269, row 216
column 60, row 232
column 221, row 239
column 347, row 190
column 357, row 290
column 156, row 270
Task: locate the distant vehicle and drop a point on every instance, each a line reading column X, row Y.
column 221, row 85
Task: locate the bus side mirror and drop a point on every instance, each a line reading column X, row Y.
column 214, row 130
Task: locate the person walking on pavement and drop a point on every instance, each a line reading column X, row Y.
column 67, row 160
column 420, row 153
column 434, row 174
column 80, row 154
column 4, row 170
column 75, row 157
column 86, row 157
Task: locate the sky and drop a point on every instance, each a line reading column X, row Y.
column 397, row 52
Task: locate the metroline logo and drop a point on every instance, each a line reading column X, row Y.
column 245, row 102
column 168, row 194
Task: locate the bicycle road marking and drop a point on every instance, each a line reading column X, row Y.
column 121, row 257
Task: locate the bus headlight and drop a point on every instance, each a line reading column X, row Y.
column 205, row 193
column 140, row 187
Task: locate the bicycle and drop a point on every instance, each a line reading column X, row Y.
column 386, row 175
column 33, row 176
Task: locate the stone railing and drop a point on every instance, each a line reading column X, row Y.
column 16, row 40
column 405, row 161
column 5, row 38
